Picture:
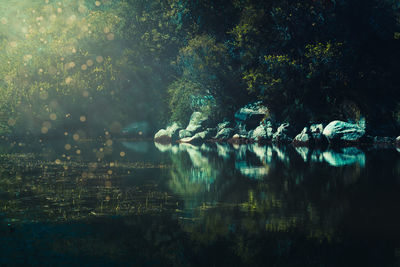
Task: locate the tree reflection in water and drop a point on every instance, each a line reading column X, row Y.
column 214, row 204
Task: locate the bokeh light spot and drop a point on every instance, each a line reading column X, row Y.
column 99, row 59
column 53, row 116
column 110, row 36
column 75, row 137
column 11, row 121
column 46, row 124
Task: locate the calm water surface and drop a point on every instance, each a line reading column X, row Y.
column 103, row 203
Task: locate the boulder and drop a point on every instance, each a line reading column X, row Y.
column 282, row 134
column 303, row 138
column 310, row 136
column 236, row 136
column 340, row 131
column 239, row 139
column 210, row 133
column 200, row 137
column 197, row 122
column 225, row 134
column 168, row 135
column 261, row 133
column 223, row 125
column 249, row 116
column 316, row 133
column 162, row 136
column 316, row 128
column 173, row 130
column 185, row 133
column 249, row 134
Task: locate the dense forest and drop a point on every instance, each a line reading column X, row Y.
column 98, row 66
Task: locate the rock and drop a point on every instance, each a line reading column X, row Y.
column 270, row 132
column 225, row 134
column 316, row 132
column 249, row 135
column 236, row 136
column 185, row 133
column 316, row 128
column 173, row 130
column 223, row 125
column 398, row 140
column 200, row 137
column 162, row 136
column 197, row 122
column 239, row 139
column 282, row 134
column 303, row 138
column 339, row 131
column 249, row 116
column 210, row 133
column 310, row 136
column 169, row 134
column 261, row 133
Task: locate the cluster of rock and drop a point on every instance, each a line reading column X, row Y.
column 254, row 123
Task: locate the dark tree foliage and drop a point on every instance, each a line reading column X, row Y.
column 156, row 60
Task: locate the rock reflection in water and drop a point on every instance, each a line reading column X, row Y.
column 192, row 173
column 253, row 160
column 286, row 187
column 345, row 156
column 249, row 203
column 337, row 158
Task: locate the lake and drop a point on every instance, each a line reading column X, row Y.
column 136, row 203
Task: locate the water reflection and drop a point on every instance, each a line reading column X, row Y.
column 250, row 203
column 141, row 146
column 282, row 187
column 345, row 156
column 253, row 160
